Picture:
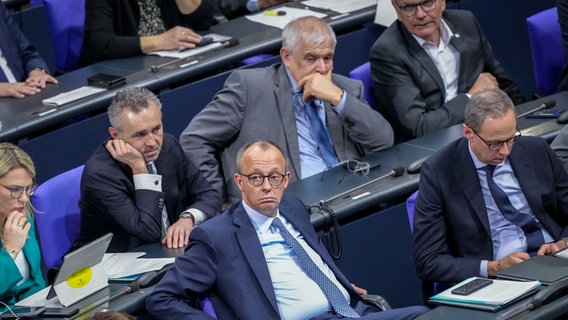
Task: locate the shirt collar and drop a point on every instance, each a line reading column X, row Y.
column 260, row 222
column 477, row 163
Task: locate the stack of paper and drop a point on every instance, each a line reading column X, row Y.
column 492, row 297
column 127, row 266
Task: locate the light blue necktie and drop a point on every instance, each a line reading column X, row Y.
column 330, row 290
column 322, row 139
column 524, row 221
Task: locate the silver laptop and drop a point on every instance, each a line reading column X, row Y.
column 88, row 255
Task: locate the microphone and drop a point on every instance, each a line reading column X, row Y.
column 543, row 106
column 229, row 43
column 395, row 172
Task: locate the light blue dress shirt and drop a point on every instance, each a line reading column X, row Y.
column 298, row 296
column 506, row 236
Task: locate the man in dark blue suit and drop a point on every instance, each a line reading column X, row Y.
column 243, row 264
column 139, row 184
column 463, row 225
column 22, row 71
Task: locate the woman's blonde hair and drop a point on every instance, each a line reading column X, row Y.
column 13, row 157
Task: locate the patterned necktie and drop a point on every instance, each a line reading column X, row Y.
column 330, row 290
column 165, row 219
column 524, row 221
column 322, row 139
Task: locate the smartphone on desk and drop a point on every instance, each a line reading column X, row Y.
column 21, row 312
column 553, row 113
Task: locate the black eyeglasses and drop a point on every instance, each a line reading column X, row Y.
column 409, row 10
column 17, row 191
column 497, row 145
column 256, row 180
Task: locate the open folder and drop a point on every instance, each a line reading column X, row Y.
column 490, row 298
column 80, row 275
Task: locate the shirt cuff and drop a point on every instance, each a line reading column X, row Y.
column 341, row 104
column 483, row 268
column 148, row 181
column 198, row 215
column 252, row 5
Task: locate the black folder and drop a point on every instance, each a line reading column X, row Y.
column 546, row 269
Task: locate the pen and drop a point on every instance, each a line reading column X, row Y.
column 274, row 13
column 189, row 63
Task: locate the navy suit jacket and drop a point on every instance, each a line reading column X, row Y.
column 225, row 261
column 409, row 88
column 20, row 54
column 450, row 214
column 110, row 203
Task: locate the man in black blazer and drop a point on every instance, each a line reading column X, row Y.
column 460, row 228
column 242, row 263
column 140, row 185
column 427, row 64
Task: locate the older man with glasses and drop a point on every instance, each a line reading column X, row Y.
column 261, row 259
column 490, row 199
column 427, row 64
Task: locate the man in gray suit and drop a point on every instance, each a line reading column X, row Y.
column 278, row 103
column 428, row 63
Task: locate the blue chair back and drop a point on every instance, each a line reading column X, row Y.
column 57, row 204
column 363, row 73
column 547, row 50
column 65, row 20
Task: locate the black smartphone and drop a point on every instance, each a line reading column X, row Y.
column 204, row 41
column 21, row 312
column 104, row 80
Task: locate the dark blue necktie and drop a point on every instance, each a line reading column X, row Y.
column 526, row 222
column 330, row 290
column 3, row 77
column 318, row 128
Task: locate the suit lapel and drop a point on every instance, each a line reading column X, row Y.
column 527, row 178
column 422, row 57
column 461, row 46
column 283, row 96
column 337, row 135
column 252, row 251
column 466, row 175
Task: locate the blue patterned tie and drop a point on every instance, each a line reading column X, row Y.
column 322, row 139
column 524, row 221
column 331, row 291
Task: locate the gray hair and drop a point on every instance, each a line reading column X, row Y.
column 488, row 103
column 308, row 30
column 263, row 145
column 132, row 98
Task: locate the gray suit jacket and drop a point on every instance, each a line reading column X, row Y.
column 257, row 104
column 409, row 88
